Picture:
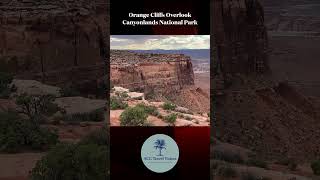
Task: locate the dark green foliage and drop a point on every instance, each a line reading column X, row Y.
column 37, row 106
column 228, row 156
column 68, row 161
column 86, row 160
column 227, row 171
column 171, row 118
column 117, row 103
column 5, row 89
column 315, row 166
column 169, row 106
column 133, row 116
column 152, row 110
column 17, row 134
column 95, row 116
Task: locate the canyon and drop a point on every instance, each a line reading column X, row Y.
column 168, row 77
column 42, row 39
column 258, row 112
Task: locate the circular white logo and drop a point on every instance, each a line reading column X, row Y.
column 159, row 153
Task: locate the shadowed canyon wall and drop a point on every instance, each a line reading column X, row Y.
column 54, row 41
column 240, row 37
column 250, row 109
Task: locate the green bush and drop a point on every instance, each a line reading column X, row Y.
column 171, row 118
column 37, row 106
column 84, row 161
column 69, row 161
column 169, row 106
column 117, row 103
column 17, row 134
column 227, row 172
column 228, row 156
column 152, row 110
column 315, row 166
column 93, row 116
column 133, row 116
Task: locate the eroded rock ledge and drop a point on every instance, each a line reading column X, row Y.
column 160, row 72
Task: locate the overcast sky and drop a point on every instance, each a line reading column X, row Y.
column 150, row 42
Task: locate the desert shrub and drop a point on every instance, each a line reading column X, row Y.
column 17, row 134
column 85, row 160
column 94, row 116
column 257, row 163
column 171, row 118
column 152, row 110
column 315, row 166
column 5, row 80
column 133, row 116
column 117, row 103
column 69, row 91
column 37, row 106
column 227, row 172
column 69, row 161
column 169, row 106
column 228, row 156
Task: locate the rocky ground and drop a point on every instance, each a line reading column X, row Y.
column 185, row 116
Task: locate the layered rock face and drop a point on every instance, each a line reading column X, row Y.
column 54, row 41
column 164, row 73
column 240, row 37
column 253, row 111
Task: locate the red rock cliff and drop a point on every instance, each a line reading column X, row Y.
column 161, row 72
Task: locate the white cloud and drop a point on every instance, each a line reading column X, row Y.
column 143, row 42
